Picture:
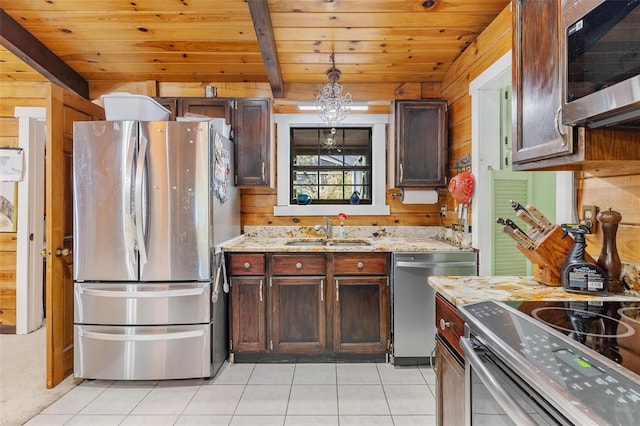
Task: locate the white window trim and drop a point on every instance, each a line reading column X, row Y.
column 377, row 123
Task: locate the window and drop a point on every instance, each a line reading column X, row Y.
column 374, row 123
column 331, row 164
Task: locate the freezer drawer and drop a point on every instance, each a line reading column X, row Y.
column 142, row 353
column 142, row 304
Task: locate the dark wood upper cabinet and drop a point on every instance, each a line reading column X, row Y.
column 250, row 120
column 421, row 143
column 252, row 137
column 211, row 107
column 540, row 141
column 537, row 90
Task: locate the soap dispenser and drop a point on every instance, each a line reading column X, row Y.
column 579, row 275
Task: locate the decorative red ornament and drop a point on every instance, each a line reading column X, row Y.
column 343, row 216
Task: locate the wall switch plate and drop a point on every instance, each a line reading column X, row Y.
column 589, row 214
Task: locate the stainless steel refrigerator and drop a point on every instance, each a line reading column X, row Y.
column 152, row 200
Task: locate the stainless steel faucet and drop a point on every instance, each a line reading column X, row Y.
column 328, row 229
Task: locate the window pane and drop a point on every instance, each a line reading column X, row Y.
column 330, row 164
column 305, row 160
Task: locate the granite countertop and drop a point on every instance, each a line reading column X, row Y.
column 380, row 239
column 463, row 290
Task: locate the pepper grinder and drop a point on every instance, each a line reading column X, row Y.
column 609, row 259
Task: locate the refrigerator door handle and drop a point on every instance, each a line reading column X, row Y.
column 142, row 243
column 128, row 213
column 142, row 294
column 141, row 337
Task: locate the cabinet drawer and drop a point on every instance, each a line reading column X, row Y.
column 361, row 264
column 449, row 325
column 298, row 264
column 246, row 264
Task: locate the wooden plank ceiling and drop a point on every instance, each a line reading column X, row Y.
column 375, row 41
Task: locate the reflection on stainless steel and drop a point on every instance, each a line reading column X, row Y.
column 556, row 376
column 598, row 319
column 413, row 301
column 147, row 220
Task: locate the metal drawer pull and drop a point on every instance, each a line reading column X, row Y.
column 298, row 265
column 261, row 290
column 322, row 290
column 141, row 337
column 444, row 324
column 337, row 291
column 247, row 265
column 360, row 265
column 125, row 294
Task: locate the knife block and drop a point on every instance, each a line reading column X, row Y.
column 549, row 255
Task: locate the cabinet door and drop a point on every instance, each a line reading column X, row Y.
column 450, row 407
column 211, row 107
column 361, row 314
column 248, row 313
column 537, row 90
column 421, row 143
column 298, row 314
column 252, row 137
column 171, row 104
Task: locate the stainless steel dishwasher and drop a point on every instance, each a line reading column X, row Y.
column 413, row 300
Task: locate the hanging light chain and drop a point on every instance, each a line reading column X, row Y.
column 333, row 107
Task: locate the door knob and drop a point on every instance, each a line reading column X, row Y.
column 62, row 252
column 43, row 253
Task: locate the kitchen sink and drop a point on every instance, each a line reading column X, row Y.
column 330, row 243
column 348, row 243
column 311, row 243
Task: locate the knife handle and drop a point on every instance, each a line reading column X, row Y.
column 510, row 232
column 530, row 221
column 536, row 213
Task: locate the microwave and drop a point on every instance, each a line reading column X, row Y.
column 600, row 48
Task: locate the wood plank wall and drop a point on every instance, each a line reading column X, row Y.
column 602, row 189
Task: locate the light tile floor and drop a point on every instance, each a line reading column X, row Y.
column 257, row 394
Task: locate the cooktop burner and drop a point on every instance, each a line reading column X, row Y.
column 583, row 323
column 609, row 328
column 630, row 313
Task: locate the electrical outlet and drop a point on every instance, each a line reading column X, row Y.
column 589, row 214
column 443, row 210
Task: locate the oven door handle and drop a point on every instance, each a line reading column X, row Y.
column 508, row 404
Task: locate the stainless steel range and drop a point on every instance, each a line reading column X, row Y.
column 550, row 363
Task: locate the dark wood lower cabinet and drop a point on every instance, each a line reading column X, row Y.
column 309, row 307
column 298, row 314
column 450, row 380
column 450, row 387
column 361, row 314
column 248, row 314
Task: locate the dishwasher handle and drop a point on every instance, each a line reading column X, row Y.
column 423, row 265
column 507, row 403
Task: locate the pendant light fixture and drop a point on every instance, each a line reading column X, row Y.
column 333, row 107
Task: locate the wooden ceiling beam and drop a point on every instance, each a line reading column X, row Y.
column 261, row 18
column 25, row 46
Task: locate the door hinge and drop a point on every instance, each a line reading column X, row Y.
column 271, row 344
column 230, row 345
column 235, row 179
column 388, row 345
